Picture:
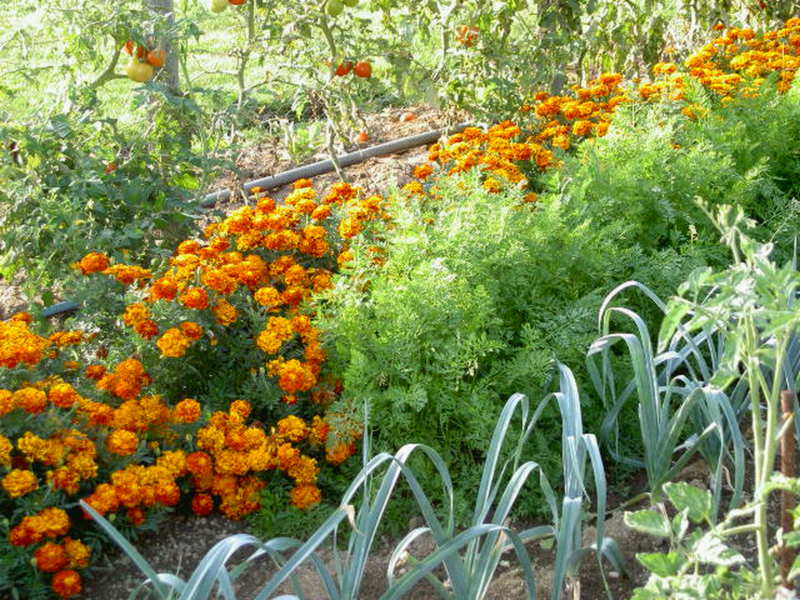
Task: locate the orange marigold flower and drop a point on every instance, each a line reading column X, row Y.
column 414, row 188
column 423, row 171
column 52, row 522
column 7, row 402
column 321, row 281
column 67, row 583
column 64, row 479
column 174, row 461
column 62, row 339
column 173, row 343
column 31, row 400
column 128, row 274
column 217, row 280
column 294, row 276
column 240, row 408
column 321, row 213
column 50, row 557
column 77, row 553
column 199, row 463
column 20, row 482
column 136, row 516
column 122, row 442
column 582, row 128
column 19, row 345
column 319, row 430
column 601, row 128
column 287, row 456
column 104, row 499
column 339, row 453
column 22, row 317
column 344, row 257
column 95, row 372
column 305, row 496
column 492, row 185
column 191, row 330
column 350, row 227
column 268, row 297
column 164, row 288
column 94, row 262
column 63, row 395
column 292, row 428
column 304, row 470
column 278, row 331
column 195, row 297
column 135, row 313
column 225, row 312
column 294, row 376
column 5, row 450
column 202, row 504
column 84, row 465
column 147, row 329
column 187, row 411
column 188, row 247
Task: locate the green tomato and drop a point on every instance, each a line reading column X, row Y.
column 217, row 6
column 350, row 3
column 335, row 7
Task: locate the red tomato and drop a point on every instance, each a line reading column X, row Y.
column 344, row 68
column 363, row 69
column 156, row 58
column 467, row 35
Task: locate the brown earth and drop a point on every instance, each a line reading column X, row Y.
column 375, row 175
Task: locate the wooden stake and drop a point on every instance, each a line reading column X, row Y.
column 788, row 447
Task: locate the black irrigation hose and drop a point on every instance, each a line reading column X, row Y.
column 326, row 166
column 304, row 172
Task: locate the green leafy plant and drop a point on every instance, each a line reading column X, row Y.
column 699, row 561
column 754, row 304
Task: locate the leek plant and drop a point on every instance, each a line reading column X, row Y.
column 470, row 557
column 481, row 554
column 680, row 411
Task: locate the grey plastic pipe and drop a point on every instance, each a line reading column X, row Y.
column 326, row 166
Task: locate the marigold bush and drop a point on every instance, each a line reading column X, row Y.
column 80, row 422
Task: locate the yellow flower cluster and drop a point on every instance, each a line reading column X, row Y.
column 18, row 344
column 737, row 63
column 504, row 151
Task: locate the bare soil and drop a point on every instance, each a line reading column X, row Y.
column 375, row 175
column 11, row 299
